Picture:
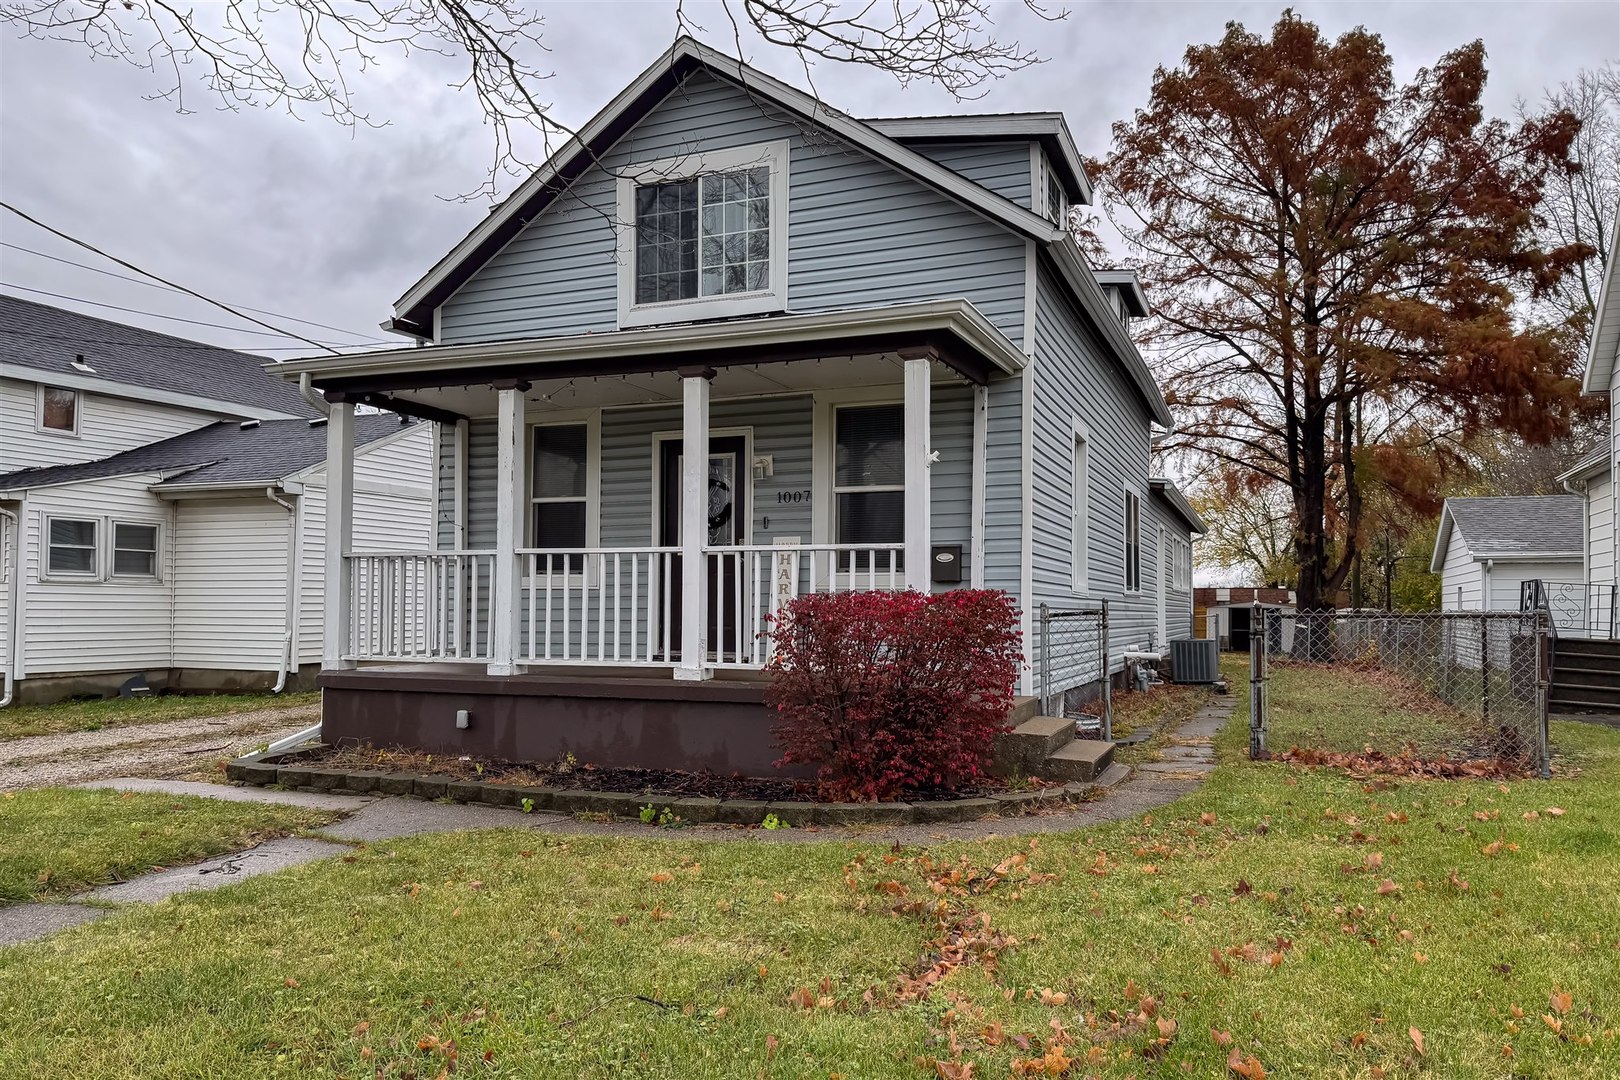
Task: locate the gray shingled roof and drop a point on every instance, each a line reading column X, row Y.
column 222, row 453
column 1521, row 524
column 46, row 339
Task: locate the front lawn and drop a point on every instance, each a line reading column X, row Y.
column 17, row 721
column 55, row 841
column 1312, row 924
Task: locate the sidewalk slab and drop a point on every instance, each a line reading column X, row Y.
column 27, row 922
column 386, row 819
column 218, row 872
column 231, row 793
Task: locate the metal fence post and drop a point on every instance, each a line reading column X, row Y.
column 1257, row 693
column 1543, row 685
column 1046, row 660
column 1484, row 668
column 1107, row 681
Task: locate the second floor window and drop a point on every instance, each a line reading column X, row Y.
column 58, row 410
column 703, row 236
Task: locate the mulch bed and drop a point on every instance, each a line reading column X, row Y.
column 665, row 783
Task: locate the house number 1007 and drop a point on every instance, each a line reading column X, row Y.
column 792, row 496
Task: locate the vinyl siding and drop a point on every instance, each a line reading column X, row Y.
column 860, row 234
column 1074, row 380
column 1177, row 602
column 107, row 425
column 1508, row 577
column 76, row 626
column 1460, row 577
column 230, row 585
column 1003, row 167
column 1600, row 530
column 1003, row 488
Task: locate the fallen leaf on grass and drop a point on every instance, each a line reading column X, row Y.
column 1562, row 1001
column 1206, row 819
column 1417, row 1039
column 662, row 878
column 1050, row 998
column 771, row 1043
column 1491, row 848
column 290, row 982
column 954, row 1070
column 802, row 998
column 1223, row 1039
column 1248, row 1067
column 1386, row 887
column 1555, row 811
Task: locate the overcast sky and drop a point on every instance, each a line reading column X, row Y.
column 307, row 219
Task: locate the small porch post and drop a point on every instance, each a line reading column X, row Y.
column 919, row 505
column 694, row 523
column 339, row 529
column 506, row 613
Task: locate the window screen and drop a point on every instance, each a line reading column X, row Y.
column 134, row 550
column 869, row 476
column 59, row 409
column 559, row 488
column 72, row 547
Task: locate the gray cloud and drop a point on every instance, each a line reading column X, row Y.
column 309, row 219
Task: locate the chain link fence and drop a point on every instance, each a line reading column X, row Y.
column 1071, row 657
column 1453, row 686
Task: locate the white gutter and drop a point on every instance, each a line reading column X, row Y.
column 287, row 658
column 13, row 590
column 307, row 389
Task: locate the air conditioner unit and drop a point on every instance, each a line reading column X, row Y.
column 1194, row 660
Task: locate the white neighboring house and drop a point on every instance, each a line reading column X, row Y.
column 1592, row 478
column 162, row 509
column 1488, row 547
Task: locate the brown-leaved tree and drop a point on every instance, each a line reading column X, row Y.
column 1337, row 262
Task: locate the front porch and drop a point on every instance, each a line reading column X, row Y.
column 576, row 536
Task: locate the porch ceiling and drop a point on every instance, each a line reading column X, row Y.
column 772, row 354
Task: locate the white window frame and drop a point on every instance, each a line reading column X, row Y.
column 834, row 489
column 49, row 574
column 1132, row 500
column 39, row 413
column 592, row 423
column 1080, row 509
column 112, row 550
column 771, row 154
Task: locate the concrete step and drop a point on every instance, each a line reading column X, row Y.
column 1082, row 759
column 1024, row 708
column 1114, row 775
column 1027, row 746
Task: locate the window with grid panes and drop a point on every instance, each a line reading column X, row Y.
column 708, row 235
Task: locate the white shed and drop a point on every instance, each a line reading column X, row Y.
column 1488, row 547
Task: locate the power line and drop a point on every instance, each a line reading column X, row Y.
column 170, row 288
column 147, row 273
column 173, row 318
column 179, row 343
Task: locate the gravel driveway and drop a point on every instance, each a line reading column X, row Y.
column 179, row 748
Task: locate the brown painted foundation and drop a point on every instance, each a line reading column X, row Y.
column 720, row 725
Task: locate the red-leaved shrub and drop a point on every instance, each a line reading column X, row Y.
column 893, row 692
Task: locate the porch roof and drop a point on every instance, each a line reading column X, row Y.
column 953, row 332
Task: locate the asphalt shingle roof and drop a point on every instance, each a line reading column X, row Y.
column 222, row 453
column 46, row 339
column 1521, row 524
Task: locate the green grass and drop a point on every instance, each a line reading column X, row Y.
column 600, row 957
column 55, row 841
column 17, row 721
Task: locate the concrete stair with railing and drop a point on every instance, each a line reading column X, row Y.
column 1047, row 747
column 1585, row 676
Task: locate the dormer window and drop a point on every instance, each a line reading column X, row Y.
column 1057, row 206
column 703, row 236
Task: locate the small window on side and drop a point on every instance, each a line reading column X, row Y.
column 1080, row 513
column 58, row 410
column 134, row 550
column 71, row 547
column 1133, row 542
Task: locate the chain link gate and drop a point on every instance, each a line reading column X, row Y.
column 1072, row 661
column 1472, row 684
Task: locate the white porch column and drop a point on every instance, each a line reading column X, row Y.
column 918, row 503
column 981, row 446
column 694, row 523
column 339, row 530
column 506, row 599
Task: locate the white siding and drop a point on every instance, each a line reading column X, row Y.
column 75, row 626
column 1507, row 577
column 230, row 583
column 107, row 426
column 1460, row 577
column 1600, row 530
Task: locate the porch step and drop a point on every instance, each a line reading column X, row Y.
column 1113, row 775
column 1024, row 708
column 1567, row 649
column 1564, row 693
column 1082, row 759
column 1586, row 673
column 1025, row 748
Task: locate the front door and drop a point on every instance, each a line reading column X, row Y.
column 727, row 515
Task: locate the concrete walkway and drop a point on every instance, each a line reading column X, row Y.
column 1186, row 760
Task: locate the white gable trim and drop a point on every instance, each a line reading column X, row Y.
column 144, row 393
column 1600, row 355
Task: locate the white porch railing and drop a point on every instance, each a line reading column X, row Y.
column 419, row 605
column 595, row 606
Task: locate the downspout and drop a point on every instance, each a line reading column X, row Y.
column 287, row 657
column 316, row 401
column 13, row 620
